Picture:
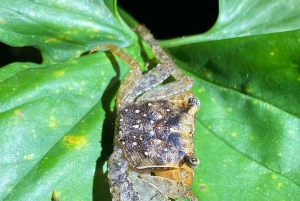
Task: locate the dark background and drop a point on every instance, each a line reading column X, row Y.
column 172, row 18
column 165, row 18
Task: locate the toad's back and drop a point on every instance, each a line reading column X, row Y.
column 156, row 133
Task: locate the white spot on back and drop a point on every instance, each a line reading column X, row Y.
column 137, row 111
column 146, row 153
column 134, row 143
column 149, row 104
column 135, row 126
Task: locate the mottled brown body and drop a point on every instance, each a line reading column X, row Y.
column 156, row 134
column 154, row 131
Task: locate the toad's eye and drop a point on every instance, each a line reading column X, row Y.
column 192, row 162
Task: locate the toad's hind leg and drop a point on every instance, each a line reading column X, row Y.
column 146, row 191
column 121, row 188
column 125, row 94
column 182, row 83
column 135, row 82
column 158, row 52
column 172, row 189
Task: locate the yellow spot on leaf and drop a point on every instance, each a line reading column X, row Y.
column 25, row 66
column 272, row 53
column 201, row 90
column 233, row 134
column 29, row 157
column 52, row 122
column 229, row 109
column 74, row 61
column 279, row 185
column 96, row 30
column 19, row 113
column 59, row 73
column 51, row 40
column 274, row 176
column 279, row 154
column 77, row 141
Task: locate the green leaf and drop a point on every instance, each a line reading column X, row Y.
column 247, row 18
column 56, row 119
column 246, row 73
column 61, row 29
